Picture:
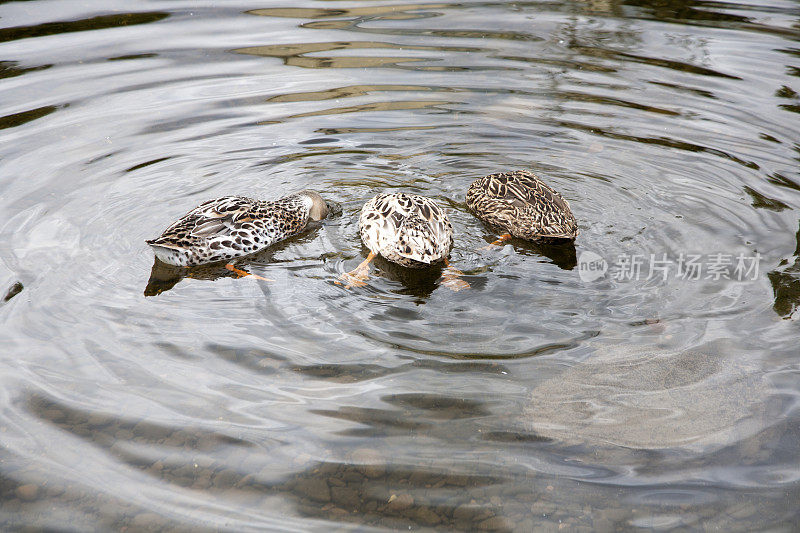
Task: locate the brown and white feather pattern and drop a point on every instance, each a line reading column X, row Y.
column 406, row 229
column 229, row 227
column 523, row 205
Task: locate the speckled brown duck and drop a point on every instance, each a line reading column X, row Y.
column 234, row 226
column 406, row 229
column 522, row 205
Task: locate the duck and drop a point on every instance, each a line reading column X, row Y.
column 522, row 205
column 407, row 229
column 233, row 226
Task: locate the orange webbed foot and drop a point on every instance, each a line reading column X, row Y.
column 357, row 277
column 499, row 242
column 241, row 273
column 451, row 278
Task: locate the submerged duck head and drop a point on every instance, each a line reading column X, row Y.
column 319, row 208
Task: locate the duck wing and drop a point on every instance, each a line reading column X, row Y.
column 548, row 212
column 405, row 226
column 523, row 204
column 527, row 189
column 425, row 232
column 210, row 220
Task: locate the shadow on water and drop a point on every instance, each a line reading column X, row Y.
column 164, row 277
column 561, row 253
column 418, row 282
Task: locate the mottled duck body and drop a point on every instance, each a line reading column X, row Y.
column 522, row 205
column 406, row 229
column 234, row 226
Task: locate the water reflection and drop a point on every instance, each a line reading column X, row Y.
column 418, row 282
column 378, row 106
column 369, row 15
column 295, row 54
column 764, row 202
column 164, row 277
column 785, row 282
column 93, row 23
column 400, row 11
column 23, row 117
column 691, row 12
column 15, row 289
column 353, row 373
column 562, row 254
column 9, row 69
column 351, row 91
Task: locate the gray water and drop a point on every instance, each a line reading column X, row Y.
column 136, row 397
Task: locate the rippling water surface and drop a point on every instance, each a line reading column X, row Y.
column 138, row 397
